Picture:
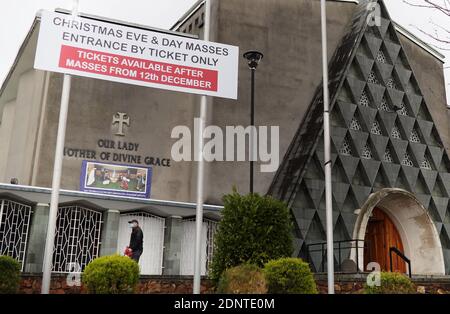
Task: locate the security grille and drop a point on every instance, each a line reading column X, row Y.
column 388, row 156
column 346, row 148
column 376, row 128
column 355, row 125
column 77, row 239
column 396, row 132
column 364, row 100
column 188, row 246
column 14, row 227
column 407, row 161
column 415, row 138
column 367, row 152
column 153, row 227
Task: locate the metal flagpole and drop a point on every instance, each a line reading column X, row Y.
column 326, row 128
column 56, row 181
column 200, row 170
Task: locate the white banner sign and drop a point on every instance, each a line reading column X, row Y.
column 91, row 48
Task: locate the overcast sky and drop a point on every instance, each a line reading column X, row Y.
column 16, row 17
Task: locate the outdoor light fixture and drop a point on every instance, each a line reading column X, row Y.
column 253, row 58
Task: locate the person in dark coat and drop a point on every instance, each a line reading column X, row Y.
column 136, row 240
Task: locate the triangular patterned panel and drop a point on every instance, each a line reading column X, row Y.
column 373, row 43
column 371, row 168
column 340, row 191
column 410, row 174
column 349, row 165
column 376, row 93
column 429, row 178
column 361, row 194
column 367, row 115
column 395, row 97
column 365, row 65
column 387, row 121
column 407, row 124
column 315, row 189
column 441, row 204
column 392, row 87
column 356, row 87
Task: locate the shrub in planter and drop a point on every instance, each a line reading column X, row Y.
column 9, row 275
column 289, row 276
column 392, row 283
column 246, row 278
column 254, row 229
column 112, row 274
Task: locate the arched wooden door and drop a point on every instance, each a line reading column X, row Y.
column 381, row 234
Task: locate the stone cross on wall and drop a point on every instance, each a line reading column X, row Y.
column 121, row 119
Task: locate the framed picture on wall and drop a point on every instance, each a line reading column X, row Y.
column 115, row 179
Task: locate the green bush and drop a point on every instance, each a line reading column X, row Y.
column 9, row 275
column 112, row 274
column 246, row 278
column 289, row 276
column 254, row 229
column 392, row 283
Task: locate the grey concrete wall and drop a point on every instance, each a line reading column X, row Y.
column 6, row 129
column 153, row 113
column 172, row 246
column 25, row 121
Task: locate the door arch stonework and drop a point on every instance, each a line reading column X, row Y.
column 418, row 233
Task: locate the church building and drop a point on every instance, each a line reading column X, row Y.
column 390, row 141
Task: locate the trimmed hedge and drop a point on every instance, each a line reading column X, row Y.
column 289, row 276
column 112, row 274
column 246, row 278
column 254, row 229
column 392, row 283
column 9, row 275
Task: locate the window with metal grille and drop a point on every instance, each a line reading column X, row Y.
column 426, row 164
column 346, row 149
column 376, row 128
column 14, row 226
column 373, row 78
column 381, row 57
column 364, row 100
column 391, row 83
column 384, row 106
column 396, row 133
column 403, row 111
column 388, row 156
column 188, row 246
column 367, row 152
column 77, row 238
column 153, row 227
column 355, row 125
column 407, row 161
column 415, row 138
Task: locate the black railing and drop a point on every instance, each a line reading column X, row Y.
column 393, row 249
column 340, row 246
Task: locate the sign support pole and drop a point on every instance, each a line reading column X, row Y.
column 56, row 181
column 201, row 170
column 327, row 152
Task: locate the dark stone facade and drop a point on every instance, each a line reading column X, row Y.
column 382, row 136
